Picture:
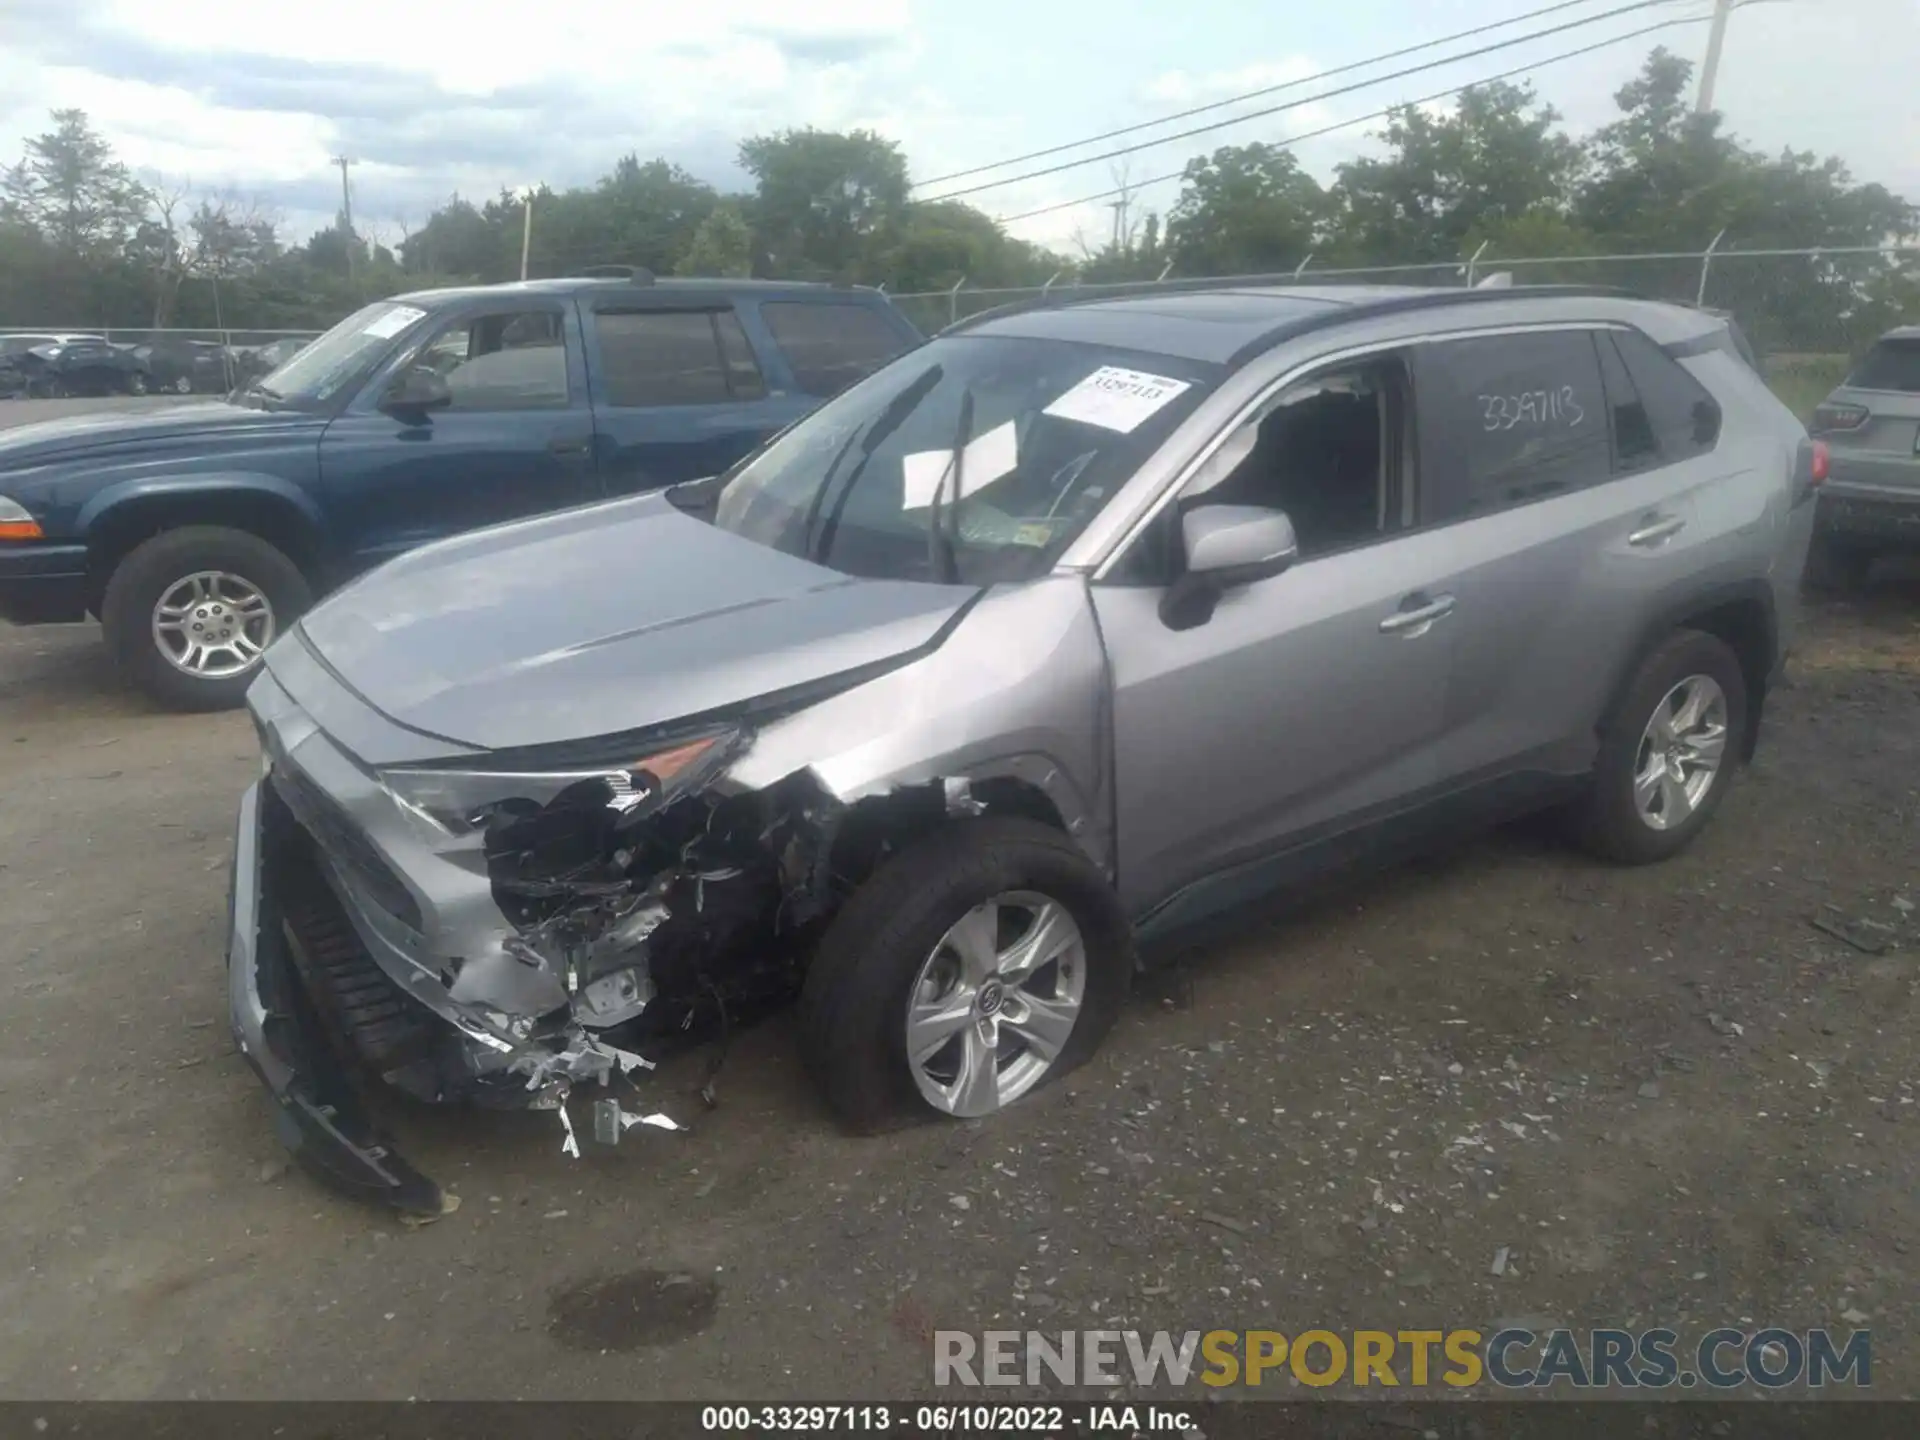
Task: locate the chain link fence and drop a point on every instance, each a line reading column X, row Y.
column 121, row 336
column 1808, row 313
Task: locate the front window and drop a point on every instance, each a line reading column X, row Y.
column 1044, row 431
column 337, row 358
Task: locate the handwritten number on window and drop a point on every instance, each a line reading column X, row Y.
column 1531, row 409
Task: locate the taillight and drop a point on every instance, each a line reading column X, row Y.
column 1839, row 417
column 1822, row 462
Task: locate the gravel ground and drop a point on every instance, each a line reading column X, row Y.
column 1663, row 1093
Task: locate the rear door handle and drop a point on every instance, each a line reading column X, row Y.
column 568, row 446
column 1657, row 530
column 1411, row 623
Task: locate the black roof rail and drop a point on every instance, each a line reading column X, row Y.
column 632, row 274
column 1428, row 298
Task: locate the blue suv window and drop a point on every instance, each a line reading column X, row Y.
column 676, row 357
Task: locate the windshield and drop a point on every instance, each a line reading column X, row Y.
column 317, row 372
column 1045, row 432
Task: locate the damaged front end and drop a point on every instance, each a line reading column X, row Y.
column 555, row 921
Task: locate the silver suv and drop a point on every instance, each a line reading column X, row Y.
column 1872, row 424
column 1079, row 625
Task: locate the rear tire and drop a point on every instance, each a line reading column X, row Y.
column 136, row 384
column 183, row 385
column 237, row 589
column 873, row 963
column 1639, row 809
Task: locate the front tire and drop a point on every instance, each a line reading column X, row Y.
column 136, row 384
column 983, row 961
column 189, row 613
column 1667, row 757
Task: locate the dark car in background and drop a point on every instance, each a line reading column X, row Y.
column 18, row 364
column 187, row 367
column 199, row 533
column 78, row 365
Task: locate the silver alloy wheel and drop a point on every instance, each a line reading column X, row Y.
column 183, row 385
column 212, row 625
column 1680, row 753
column 995, row 1003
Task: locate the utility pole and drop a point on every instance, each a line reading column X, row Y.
column 526, row 231
column 346, row 210
column 1716, row 38
column 1119, row 208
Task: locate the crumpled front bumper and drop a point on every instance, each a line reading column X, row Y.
column 317, row 1116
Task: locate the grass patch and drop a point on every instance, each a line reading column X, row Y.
column 1803, row 381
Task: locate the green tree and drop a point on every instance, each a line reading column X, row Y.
column 459, row 240
column 1495, row 157
column 1245, row 209
column 826, row 204
column 70, row 188
column 721, row 247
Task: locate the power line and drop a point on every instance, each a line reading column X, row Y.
column 1296, row 104
column 1257, row 94
column 1365, row 119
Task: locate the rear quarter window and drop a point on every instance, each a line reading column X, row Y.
column 830, row 345
column 1889, row 365
column 1684, row 417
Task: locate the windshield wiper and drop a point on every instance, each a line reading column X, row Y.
column 888, row 421
column 940, row 546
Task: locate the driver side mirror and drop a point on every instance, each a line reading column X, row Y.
column 1226, row 546
column 415, row 392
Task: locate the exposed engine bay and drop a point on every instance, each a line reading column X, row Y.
column 666, row 902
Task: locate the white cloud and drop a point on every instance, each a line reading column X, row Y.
column 1178, row 87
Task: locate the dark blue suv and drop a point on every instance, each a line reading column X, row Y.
column 198, row 533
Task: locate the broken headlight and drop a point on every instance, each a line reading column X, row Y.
column 454, row 804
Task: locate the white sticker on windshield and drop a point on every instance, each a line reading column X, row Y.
column 393, row 322
column 988, row 457
column 1116, row 399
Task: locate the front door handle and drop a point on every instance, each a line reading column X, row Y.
column 1657, row 529
column 569, row 446
column 1417, row 615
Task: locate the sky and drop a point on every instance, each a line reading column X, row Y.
column 251, row 100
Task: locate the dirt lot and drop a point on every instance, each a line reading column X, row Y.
column 1664, row 1093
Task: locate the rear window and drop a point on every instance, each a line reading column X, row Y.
column 830, row 346
column 1509, row 419
column 675, row 357
column 1890, row 365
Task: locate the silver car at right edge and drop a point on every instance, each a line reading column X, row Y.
column 1871, row 425
column 1075, row 628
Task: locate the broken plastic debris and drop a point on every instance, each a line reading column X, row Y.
column 610, row 1121
column 1500, row 1260
column 448, row 1204
column 570, row 1145
column 1868, row 936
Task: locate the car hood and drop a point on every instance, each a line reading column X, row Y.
column 43, row 440
column 604, row 619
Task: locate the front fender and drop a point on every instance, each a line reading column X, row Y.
column 1017, row 691
column 141, row 489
